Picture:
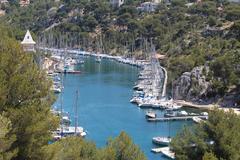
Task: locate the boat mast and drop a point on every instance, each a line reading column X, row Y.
column 61, row 110
column 76, row 113
column 169, row 136
column 62, row 83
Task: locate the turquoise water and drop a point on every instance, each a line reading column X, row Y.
column 104, row 108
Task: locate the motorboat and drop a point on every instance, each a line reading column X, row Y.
column 182, row 113
column 145, row 104
column 66, row 120
column 197, row 120
column 70, row 131
column 161, row 140
column 98, row 59
column 151, row 114
column 56, row 89
column 176, row 106
column 170, row 114
column 204, row 113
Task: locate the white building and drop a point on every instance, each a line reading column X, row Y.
column 157, row 1
column 148, row 6
column 24, row 3
column 3, row 1
column 28, row 43
column 116, row 3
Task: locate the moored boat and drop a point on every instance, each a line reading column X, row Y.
column 98, row 59
column 70, row 131
column 151, row 114
column 161, row 140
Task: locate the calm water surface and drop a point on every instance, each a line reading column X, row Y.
column 104, row 108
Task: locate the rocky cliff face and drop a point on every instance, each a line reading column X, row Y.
column 192, row 86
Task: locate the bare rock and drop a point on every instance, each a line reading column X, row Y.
column 192, row 86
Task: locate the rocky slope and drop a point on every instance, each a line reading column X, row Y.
column 195, row 87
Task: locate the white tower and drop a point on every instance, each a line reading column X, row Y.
column 157, row 1
column 28, row 43
column 116, row 3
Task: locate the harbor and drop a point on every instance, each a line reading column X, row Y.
column 148, row 79
column 106, row 114
column 151, row 88
column 120, row 80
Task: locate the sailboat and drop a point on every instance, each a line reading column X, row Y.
column 151, row 114
column 99, row 46
column 74, row 130
column 98, row 59
column 165, row 141
column 65, row 129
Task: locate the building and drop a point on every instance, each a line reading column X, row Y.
column 157, row 1
column 116, row 3
column 24, row 3
column 3, row 1
column 148, row 6
column 28, row 43
column 2, row 12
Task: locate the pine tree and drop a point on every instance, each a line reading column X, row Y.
column 26, row 99
column 218, row 137
column 6, row 140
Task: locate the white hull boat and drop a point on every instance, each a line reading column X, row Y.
column 151, row 114
column 161, row 140
column 70, row 131
column 98, row 59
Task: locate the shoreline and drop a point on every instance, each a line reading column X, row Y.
column 140, row 64
column 120, row 59
column 207, row 107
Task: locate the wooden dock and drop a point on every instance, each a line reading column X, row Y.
column 175, row 118
column 165, row 151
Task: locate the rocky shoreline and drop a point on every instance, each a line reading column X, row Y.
column 194, row 87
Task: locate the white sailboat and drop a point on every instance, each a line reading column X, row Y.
column 98, row 59
column 99, row 46
column 65, row 129
column 163, row 140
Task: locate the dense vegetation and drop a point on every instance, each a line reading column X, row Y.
column 201, row 34
column 24, row 100
column 217, row 138
column 121, row 148
column 26, row 123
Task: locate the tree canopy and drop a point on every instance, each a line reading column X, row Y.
column 217, row 138
column 75, row 148
column 25, row 99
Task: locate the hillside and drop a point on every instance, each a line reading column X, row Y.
column 201, row 41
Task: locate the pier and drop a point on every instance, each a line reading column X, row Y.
column 193, row 105
column 165, row 151
column 175, row 118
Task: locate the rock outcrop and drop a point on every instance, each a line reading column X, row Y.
column 192, row 86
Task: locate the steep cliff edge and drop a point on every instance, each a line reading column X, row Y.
column 195, row 87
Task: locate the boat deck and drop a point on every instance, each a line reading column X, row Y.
column 165, row 151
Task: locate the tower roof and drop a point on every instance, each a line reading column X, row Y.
column 28, row 39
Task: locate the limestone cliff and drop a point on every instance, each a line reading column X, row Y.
column 192, row 86
column 195, row 87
